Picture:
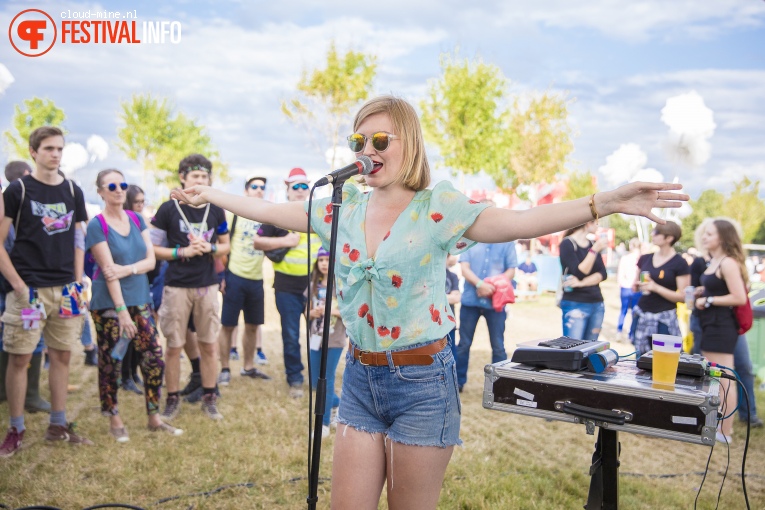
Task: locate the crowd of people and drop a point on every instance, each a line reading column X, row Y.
column 393, row 306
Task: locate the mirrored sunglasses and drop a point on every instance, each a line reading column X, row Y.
column 300, row 185
column 113, row 187
column 380, row 141
column 258, row 186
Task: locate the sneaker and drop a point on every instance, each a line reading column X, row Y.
column 91, row 358
column 195, row 381
column 68, row 434
column 168, row 429
column 324, row 431
column 12, row 442
column 333, row 418
column 129, row 385
column 233, row 355
column 260, row 358
column 224, row 378
column 120, row 434
column 172, row 408
column 722, row 438
column 196, row 395
column 296, row 390
column 255, row 374
column 210, row 406
column 754, row 422
column 461, row 387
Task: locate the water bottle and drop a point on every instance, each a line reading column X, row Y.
column 120, row 348
column 690, row 299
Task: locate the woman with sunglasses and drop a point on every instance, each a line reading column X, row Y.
column 134, row 201
column 666, row 274
column 399, row 416
column 121, row 245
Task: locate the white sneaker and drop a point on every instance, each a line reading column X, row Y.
column 333, row 418
column 324, row 431
column 722, row 438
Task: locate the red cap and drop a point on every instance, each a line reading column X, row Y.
column 296, row 175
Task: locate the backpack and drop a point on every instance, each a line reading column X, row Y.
column 744, row 316
column 90, row 261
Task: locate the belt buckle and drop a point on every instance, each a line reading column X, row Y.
column 361, row 358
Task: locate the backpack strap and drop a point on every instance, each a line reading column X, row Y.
column 104, row 226
column 21, row 205
column 231, row 236
column 133, row 216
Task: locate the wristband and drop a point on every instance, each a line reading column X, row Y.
column 175, row 253
column 478, row 285
column 593, row 210
column 121, row 308
column 214, row 247
column 593, row 251
column 135, row 270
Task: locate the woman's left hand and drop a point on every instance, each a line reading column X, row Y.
column 639, row 198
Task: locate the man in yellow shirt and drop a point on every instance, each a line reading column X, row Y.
column 242, row 289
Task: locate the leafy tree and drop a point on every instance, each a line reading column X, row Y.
column 744, row 206
column 158, row 138
column 326, row 97
column 624, row 227
column 462, row 115
column 710, row 204
column 580, row 184
column 35, row 112
column 539, row 142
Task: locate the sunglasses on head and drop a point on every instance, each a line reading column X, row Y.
column 113, row 186
column 258, row 186
column 380, row 141
column 300, row 185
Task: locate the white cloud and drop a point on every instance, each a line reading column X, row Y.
column 6, row 78
column 623, row 164
column 74, row 157
column 98, row 148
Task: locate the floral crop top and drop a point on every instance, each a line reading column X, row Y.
column 396, row 299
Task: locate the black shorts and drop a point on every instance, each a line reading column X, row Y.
column 242, row 294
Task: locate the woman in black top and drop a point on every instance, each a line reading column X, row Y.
column 724, row 286
column 668, row 276
column 583, row 269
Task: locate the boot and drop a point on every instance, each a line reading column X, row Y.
column 34, row 403
column 3, row 368
column 195, row 382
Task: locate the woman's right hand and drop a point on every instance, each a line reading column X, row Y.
column 600, row 244
column 195, row 195
column 127, row 326
column 316, row 312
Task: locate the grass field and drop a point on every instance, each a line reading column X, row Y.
column 258, row 453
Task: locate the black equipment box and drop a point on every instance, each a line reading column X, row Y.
column 690, row 364
column 560, row 353
column 621, row 398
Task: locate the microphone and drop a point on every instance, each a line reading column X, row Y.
column 362, row 166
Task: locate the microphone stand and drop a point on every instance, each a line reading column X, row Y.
column 321, row 385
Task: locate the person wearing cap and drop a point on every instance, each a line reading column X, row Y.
column 189, row 238
column 290, row 279
column 242, row 289
column 336, row 341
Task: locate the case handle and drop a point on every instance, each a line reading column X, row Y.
column 609, row 416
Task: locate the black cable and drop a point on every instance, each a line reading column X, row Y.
column 706, row 470
column 205, row 493
column 727, row 444
column 308, row 337
column 114, row 505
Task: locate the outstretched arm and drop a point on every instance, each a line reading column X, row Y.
column 289, row 216
column 496, row 225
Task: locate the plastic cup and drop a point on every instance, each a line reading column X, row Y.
column 666, row 357
column 645, row 276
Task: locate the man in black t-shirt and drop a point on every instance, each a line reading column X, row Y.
column 44, row 269
column 189, row 238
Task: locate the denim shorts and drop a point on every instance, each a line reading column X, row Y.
column 411, row 404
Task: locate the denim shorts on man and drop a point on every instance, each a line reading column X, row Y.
column 411, row 404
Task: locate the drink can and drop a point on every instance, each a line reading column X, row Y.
column 689, row 297
column 645, row 276
column 566, row 287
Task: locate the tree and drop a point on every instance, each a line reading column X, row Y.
column 36, row 112
column 624, row 227
column 326, row 97
column 744, row 206
column 580, row 184
column 463, row 117
column 709, row 205
column 539, row 142
column 158, row 138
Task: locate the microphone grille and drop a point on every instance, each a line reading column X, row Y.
column 367, row 165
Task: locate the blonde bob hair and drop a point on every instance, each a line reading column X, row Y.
column 415, row 170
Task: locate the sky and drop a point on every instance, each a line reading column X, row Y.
column 618, row 62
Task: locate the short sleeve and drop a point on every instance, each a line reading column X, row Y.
column 682, row 266
column 450, row 214
column 141, row 222
column 11, row 198
column 511, row 258
column 95, row 234
column 160, row 219
column 222, row 228
column 321, row 211
column 80, row 212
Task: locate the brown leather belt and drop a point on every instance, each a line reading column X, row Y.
column 417, row 356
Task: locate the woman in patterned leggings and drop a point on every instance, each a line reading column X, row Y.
column 123, row 251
